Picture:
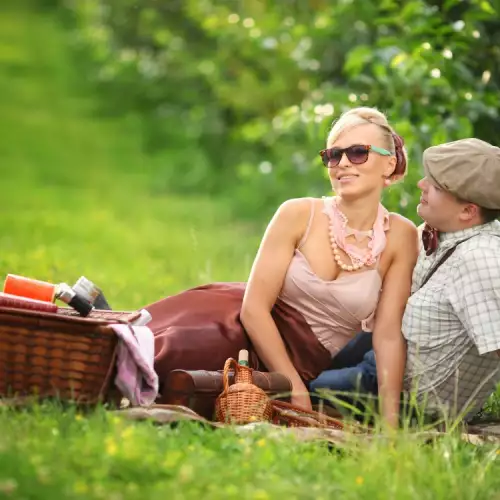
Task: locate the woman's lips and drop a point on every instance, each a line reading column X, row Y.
column 346, row 178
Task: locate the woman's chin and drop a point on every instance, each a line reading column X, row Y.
column 347, row 190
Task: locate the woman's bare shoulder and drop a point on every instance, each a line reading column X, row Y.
column 293, row 215
column 297, row 208
column 403, row 236
column 402, row 226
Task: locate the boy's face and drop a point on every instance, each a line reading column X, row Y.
column 439, row 208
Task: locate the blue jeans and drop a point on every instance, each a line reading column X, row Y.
column 353, row 369
column 354, row 373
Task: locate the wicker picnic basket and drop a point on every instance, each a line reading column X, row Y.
column 242, row 402
column 59, row 355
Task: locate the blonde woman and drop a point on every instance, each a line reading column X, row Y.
column 326, row 269
column 344, row 262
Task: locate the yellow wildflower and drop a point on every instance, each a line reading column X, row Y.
column 127, row 432
column 260, row 495
column 111, row 447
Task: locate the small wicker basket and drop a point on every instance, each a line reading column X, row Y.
column 242, row 402
column 59, row 355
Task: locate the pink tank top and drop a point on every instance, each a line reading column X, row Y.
column 335, row 310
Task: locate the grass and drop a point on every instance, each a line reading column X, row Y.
column 50, row 453
column 79, row 197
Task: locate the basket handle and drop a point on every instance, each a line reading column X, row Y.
column 227, row 367
column 242, row 374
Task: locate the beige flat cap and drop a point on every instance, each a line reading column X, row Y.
column 468, row 169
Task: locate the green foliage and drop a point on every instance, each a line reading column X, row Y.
column 237, row 97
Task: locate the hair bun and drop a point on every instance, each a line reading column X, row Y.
column 400, row 154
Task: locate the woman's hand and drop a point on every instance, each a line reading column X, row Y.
column 300, row 396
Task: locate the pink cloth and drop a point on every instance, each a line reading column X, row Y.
column 336, row 310
column 136, row 377
column 339, row 230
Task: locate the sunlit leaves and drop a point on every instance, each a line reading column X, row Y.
column 264, row 77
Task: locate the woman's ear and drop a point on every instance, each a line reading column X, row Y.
column 390, row 167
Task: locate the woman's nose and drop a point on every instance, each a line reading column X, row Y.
column 340, row 164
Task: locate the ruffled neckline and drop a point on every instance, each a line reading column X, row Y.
column 339, row 230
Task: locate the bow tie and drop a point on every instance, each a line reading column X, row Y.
column 430, row 239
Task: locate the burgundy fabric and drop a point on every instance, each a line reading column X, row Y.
column 198, row 329
column 430, row 239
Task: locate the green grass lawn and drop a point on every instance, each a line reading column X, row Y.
column 78, row 197
column 49, row 454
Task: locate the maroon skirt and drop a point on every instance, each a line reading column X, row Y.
column 198, row 329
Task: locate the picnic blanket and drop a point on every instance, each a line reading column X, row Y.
column 173, row 414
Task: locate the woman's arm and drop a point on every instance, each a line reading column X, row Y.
column 388, row 341
column 264, row 284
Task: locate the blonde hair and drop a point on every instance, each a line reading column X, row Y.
column 365, row 115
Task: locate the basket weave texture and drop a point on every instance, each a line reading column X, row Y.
column 293, row 416
column 59, row 355
column 242, row 402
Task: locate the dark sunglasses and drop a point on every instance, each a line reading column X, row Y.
column 356, row 154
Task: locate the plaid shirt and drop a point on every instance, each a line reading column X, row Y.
column 452, row 324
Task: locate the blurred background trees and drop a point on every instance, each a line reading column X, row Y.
column 235, row 97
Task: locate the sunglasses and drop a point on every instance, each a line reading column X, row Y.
column 356, row 154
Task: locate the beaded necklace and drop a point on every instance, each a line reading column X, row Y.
column 340, row 230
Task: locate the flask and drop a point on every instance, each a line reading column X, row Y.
column 243, row 357
column 29, row 288
column 91, row 292
column 45, row 292
column 67, row 295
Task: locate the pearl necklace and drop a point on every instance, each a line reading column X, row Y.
column 345, row 267
column 356, row 262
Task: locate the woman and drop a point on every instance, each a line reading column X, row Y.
column 342, row 263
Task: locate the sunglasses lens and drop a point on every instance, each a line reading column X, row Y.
column 331, row 157
column 357, row 154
